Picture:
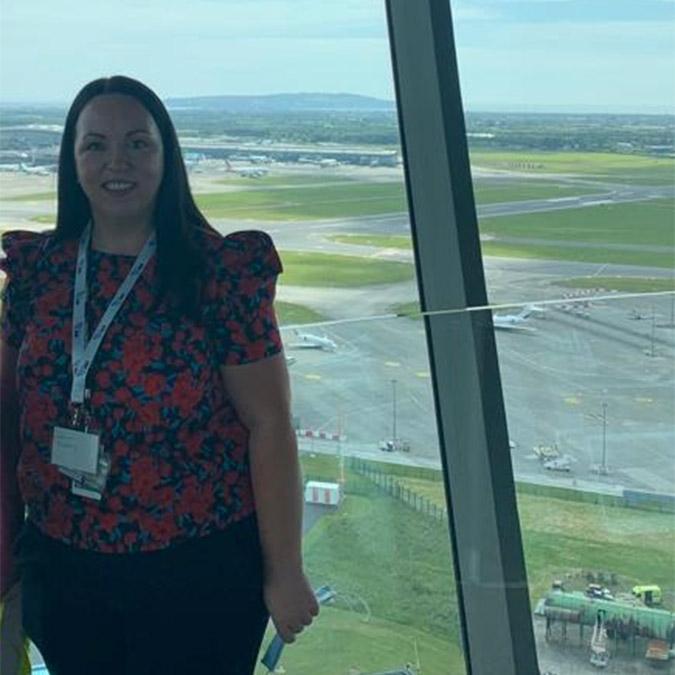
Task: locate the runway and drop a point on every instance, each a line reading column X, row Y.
column 557, row 380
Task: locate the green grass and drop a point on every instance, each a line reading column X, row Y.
column 291, row 313
column 32, row 197
column 298, row 203
column 49, row 220
column 379, row 553
column 340, row 639
column 579, row 254
column 409, row 309
column 621, row 284
column 370, row 533
column 494, row 192
column 538, row 224
column 562, row 536
column 326, row 198
column 651, row 223
column 637, row 169
column 329, row 270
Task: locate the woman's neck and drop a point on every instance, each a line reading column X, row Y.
column 123, row 239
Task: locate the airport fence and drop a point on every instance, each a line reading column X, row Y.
column 387, row 481
column 632, row 499
column 388, row 484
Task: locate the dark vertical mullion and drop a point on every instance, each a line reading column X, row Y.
column 485, row 531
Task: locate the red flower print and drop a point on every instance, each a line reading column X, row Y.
column 154, row 384
column 144, row 479
column 149, row 414
column 103, row 379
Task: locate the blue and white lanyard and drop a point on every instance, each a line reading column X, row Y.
column 84, row 352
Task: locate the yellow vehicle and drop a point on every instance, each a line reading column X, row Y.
column 650, row 594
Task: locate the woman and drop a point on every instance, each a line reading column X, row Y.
column 146, row 415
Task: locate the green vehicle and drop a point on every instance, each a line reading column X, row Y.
column 650, row 594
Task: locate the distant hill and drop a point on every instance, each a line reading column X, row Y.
column 282, row 103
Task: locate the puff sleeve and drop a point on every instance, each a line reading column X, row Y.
column 22, row 251
column 239, row 295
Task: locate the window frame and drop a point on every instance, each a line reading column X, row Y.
column 489, row 565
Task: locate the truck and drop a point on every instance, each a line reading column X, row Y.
column 394, row 445
column 650, row 594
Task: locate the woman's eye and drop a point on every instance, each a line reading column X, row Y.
column 139, row 143
column 93, row 145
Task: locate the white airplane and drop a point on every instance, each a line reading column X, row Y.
column 247, row 172
column 311, row 341
column 192, row 159
column 515, row 321
column 36, row 170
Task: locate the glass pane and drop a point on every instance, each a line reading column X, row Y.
column 574, row 174
column 322, row 174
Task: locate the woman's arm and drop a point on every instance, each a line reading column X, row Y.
column 11, row 506
column 261, row 395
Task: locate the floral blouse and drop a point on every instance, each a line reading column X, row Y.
column 179, row 452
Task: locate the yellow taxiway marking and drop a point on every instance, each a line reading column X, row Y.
column 643, row 399
column 312, row 376
column 392, row 364
column 423, row 373
column 572, row 400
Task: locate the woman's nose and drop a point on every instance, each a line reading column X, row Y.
column 118, row 157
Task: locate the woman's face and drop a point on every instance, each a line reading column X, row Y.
column 119, row 158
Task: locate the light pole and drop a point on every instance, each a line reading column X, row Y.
column 603, row 467
column 393, row 401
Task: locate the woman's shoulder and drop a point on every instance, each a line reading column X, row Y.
column 22, row 248
column 245, row 252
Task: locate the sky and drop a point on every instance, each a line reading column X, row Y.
column 568, row 55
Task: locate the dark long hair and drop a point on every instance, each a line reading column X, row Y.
column 176, row 215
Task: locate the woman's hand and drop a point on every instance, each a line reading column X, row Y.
column 291, row 602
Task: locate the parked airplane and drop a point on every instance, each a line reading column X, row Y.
column 515, row 321
column 192, row 159
column 311, row 341
column 37, row 170
column 247, row 172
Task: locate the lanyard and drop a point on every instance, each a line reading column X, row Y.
column 84, row 352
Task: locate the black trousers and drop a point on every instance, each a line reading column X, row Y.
column 193, row 608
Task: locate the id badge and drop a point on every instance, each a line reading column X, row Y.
column 75, row 450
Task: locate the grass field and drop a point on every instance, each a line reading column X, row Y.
column 385, row 556
column 639, row 223
column 370, row 533
column 291, row 313
column 611, row 167
column 600, row 256
column 634, row 544
column 303, row 202
column 632, row 224
column 340, row 271
column 340, row 639
column 31, row 197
